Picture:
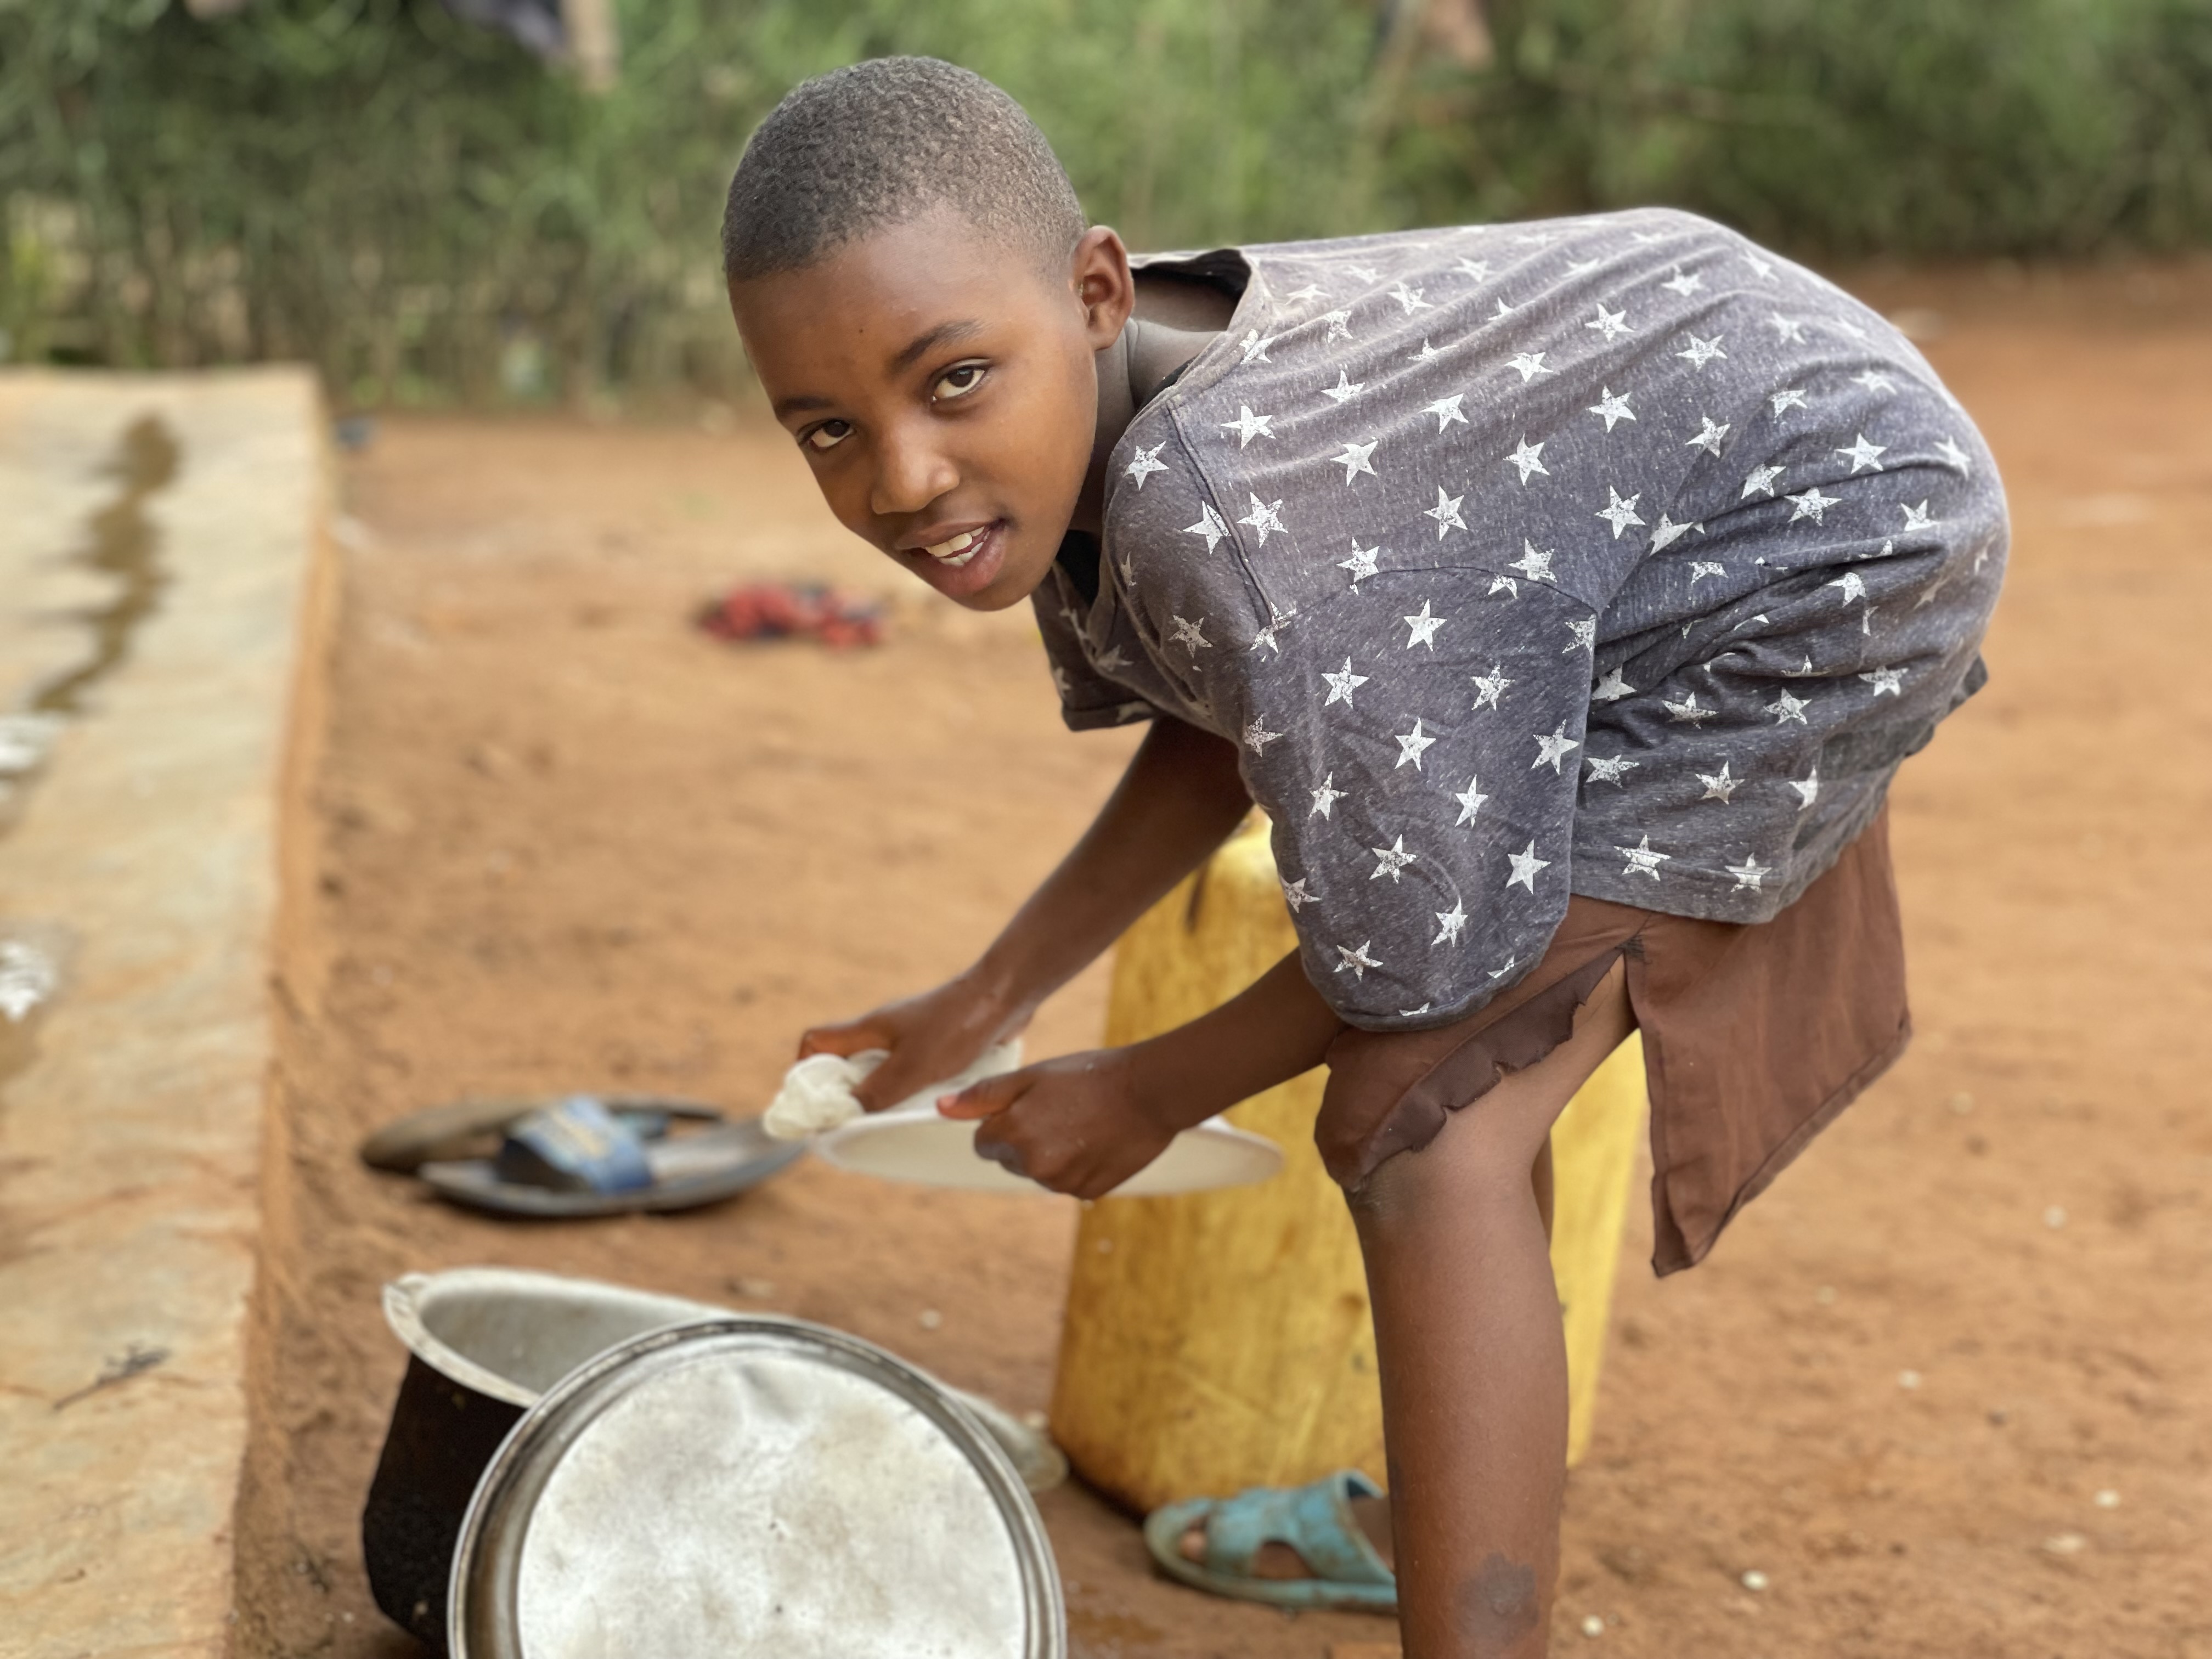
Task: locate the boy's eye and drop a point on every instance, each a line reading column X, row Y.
column 828, row 435
column 957, row 381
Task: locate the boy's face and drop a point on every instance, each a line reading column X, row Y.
column 944, row 389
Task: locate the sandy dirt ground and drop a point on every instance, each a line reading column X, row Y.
column 1947, row 1386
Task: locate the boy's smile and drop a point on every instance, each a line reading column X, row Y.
column 945, row 390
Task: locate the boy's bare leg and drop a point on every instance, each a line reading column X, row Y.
column 1474, row 1357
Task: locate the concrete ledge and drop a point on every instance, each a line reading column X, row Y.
column 131, row 1122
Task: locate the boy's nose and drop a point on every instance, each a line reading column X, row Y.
column 910, row 476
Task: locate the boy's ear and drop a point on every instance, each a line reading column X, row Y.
column 1103, row 285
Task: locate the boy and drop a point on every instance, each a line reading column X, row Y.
column 1566, row 596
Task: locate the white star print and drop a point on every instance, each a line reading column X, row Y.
column 1584, row 636
column 1886, row 681
column 1642, row 861
column 1619, row 513
column 1808, row 789
column 1209, row 524
column 1345, row 389
column 1789, row 398
column 1786, row 708
column 1264, row 517
column 1525, row 866
column 1916, row 518
column 1059, row 678
column 1424, row 628
column 1611, row 768
column 1550, row 751
column 1488, row 688
column 1248, row 426
column 1295, row 895
column 1683, row 285
column 1506, row 583
column 1409, row 299
column 1354, row 460
column 1255, row 345
column 1340, row 325
column 1356, row 959
column 1529, row 459
column 1265, row 639
column 1470, row 801
column 1446, row 410
column 1475, row 270
column 1582, row 268
column 1326, row 797
column 1709, row 438
column 1611, row 408
column 1445, row 513
column 1341, row 685
column 1688, row 712
column 1361, row 564
column 1811, row 505
column 1505, row 311
column 1412, row 745
column 1535, row 563
column 1719, row 786
column 1875, row 381
column 1787, row 329
column 1530, row 363
column 1668, row 532
column 1610, row 324
column 1613, row 687
column 1390, row 860
column 1146, row 463
column 1257, row 737
column 1308, row 292
column 1701, row 568
column 1189, row 634
column 1423, row 355
column 1956, row 457
column 1750, row 873
column 1702, row 352
column 1449, row 923
column 1111, row 659
column 1765, row 271
column 1864, row 455
column 1500, row 973
column 1853, row 586
column 1762, row 478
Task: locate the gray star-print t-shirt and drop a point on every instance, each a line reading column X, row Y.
column 1610, row 556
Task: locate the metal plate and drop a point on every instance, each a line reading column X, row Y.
column 749, row 1486
column 920, row 1145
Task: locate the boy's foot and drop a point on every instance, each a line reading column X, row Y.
column 1279, row 1561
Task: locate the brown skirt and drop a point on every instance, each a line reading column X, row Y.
column 1754, row 1038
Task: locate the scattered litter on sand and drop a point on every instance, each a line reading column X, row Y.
column 783, row 610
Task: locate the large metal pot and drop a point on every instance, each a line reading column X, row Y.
column 484, row 1346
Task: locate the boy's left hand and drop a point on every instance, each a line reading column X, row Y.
column 1076, row 1125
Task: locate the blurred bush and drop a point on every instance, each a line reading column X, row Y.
column 423, row 209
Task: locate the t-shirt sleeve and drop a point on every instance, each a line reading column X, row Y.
column 1088, row 698
column 1415, row 745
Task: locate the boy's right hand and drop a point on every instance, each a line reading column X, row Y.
column 930, row 1038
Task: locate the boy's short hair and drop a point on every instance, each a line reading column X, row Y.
column 878, row 144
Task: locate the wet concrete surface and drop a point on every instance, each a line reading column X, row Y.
column 156, row 580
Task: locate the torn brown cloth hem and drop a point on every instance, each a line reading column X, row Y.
column 1755, row 1037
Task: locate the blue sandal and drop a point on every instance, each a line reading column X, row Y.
column 1315, row 1521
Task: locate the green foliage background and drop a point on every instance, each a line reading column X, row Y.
column 430, row 213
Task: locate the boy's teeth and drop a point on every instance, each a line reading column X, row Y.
column 959, row 544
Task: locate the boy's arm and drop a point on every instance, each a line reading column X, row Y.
column 1179, row 800
column 1085, row 1123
